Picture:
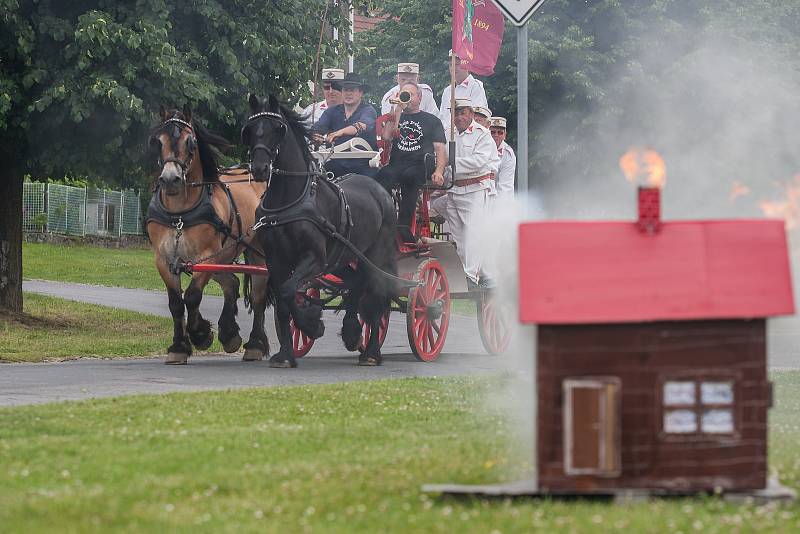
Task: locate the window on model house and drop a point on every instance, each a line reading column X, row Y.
column 698, row 406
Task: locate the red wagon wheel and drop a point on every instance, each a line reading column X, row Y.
column 301, row 343
column 365, row 331
column 494, row 323
column 428, row 311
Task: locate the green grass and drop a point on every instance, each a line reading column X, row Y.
column 52, row 329
column 85, row 264
column 332, row 458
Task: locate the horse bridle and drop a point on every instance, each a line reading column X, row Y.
column 183, row 164
column 272, row 153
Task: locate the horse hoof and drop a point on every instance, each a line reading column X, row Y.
column 253, row 355
column 176, row 358
column 369, row 362
column 233, row 344
column 203, row 344
column 281, row 365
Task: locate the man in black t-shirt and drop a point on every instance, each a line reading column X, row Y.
column 418, row 136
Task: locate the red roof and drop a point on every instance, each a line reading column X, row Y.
column 363, row 23
column 605, row 272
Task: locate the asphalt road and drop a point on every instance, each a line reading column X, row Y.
column 328, row 361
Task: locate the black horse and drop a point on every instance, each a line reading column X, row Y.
column 307, row 226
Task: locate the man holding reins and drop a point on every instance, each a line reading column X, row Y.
column 352, row 118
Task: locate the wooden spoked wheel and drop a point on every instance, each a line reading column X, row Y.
column 365, row 331
column 301, row 343
column 428, row 311
column 494, row 323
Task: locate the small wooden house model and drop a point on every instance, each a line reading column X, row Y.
column 651, row 367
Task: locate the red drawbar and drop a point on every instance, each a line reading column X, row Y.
column 599, row 272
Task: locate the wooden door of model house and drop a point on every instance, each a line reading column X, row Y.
column 591, row 426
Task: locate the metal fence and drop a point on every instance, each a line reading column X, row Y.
column 64, row 209
column 131, row 222
column 34, row 209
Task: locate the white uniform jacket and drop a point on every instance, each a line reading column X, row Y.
column 504, row 177
column 428, row 102
column 476, row 155
column 318, row 111
column 470, row 88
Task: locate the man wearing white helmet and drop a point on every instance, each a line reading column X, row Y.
column 482, row 115
column 504, row 179
column 466, row 87
column 465, row 206
column 331, row 91
column 409, row 73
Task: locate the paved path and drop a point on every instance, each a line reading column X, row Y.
column 328, row 361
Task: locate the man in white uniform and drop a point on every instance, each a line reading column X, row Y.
column 331, row 90
column 466, row 87
column 409, row 73
column 465, row 206
column 504, row 179
column 482, row 115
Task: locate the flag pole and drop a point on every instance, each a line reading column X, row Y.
column 522, row 109
column 452, row 144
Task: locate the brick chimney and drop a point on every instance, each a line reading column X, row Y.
column 649, row 210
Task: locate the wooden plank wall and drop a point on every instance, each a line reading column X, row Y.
column 643, row 356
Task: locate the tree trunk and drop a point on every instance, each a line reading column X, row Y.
column 10, row 237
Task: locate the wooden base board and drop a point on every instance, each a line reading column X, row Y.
column 774, row 492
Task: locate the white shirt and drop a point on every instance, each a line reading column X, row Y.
column 470, row 88
column 476, row 155
column 320, row 109
column 428, row 103
column 504, row 177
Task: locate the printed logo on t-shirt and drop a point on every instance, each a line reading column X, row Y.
column 410, row 136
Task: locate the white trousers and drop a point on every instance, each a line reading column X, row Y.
column 465, row 215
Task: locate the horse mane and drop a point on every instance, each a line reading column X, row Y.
column 209, row 145
column 300, row 129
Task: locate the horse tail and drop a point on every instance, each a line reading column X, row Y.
column 248, row 289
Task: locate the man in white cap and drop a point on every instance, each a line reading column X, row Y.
column 409, row 73
column 330, row 80
column 504, row 179
column 465, row 206
column 482, row 115
column 466, row 87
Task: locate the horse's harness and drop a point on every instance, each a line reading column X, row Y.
column 202, row 212
column 304, row 208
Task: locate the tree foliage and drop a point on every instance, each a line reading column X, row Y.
column 80, row 81
column 593, row 63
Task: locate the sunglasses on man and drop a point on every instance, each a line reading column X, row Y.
column 329, row 86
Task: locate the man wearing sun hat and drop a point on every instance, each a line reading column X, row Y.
column 482, row 115
column 352, row 118
column 504, row 179
column 409, row 72
column 466, row 87
column 465, row 206
column 331, row 92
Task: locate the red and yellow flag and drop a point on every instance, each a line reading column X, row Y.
column 477, row 34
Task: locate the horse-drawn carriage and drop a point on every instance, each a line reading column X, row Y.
column 429, row 274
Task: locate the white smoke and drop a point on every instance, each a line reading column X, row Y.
column 724, row 119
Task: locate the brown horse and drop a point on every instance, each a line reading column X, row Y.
column 198, row 215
